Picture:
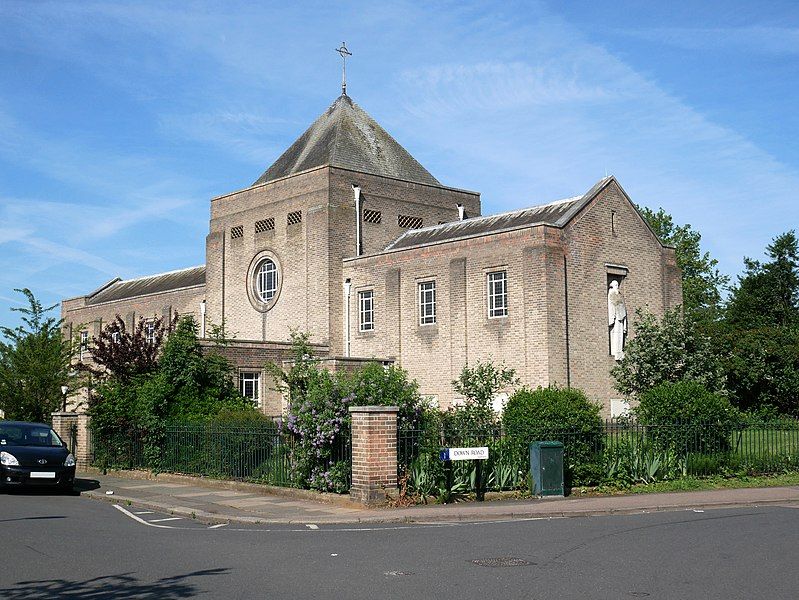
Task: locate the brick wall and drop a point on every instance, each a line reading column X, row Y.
column 63, row 422
column 546, row 267
column 374, row 452
column 610, row 231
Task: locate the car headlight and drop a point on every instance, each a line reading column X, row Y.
column 8, row 460
column 70, row 461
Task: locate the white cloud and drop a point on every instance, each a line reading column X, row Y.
column 755, row 39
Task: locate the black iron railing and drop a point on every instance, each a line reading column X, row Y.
column 261, row 453
column 619, row 452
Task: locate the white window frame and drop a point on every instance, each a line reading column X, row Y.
column 497, row 298
column 427, row 302
column 366, row 310
column 84, row 344
column 115, row 336
column 267, row 280
column 252, row 378
column 149, row 332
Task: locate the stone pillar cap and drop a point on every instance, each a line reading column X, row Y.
column 374, row 409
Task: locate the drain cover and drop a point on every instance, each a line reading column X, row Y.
column 502, row 561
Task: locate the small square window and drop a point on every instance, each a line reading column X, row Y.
column 427, row 303
column 498, row 294
column 237, row 232
column 366, row 310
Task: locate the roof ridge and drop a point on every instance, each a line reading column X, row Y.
column 337, row 129
column 475, row 222
column 173, row 272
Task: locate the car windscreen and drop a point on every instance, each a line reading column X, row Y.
column 28, row 435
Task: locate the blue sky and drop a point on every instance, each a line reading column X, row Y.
column 120, row 120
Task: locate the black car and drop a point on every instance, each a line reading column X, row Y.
column 33, row 454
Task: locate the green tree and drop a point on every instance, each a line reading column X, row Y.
column 670, row 350
column 762, row 368
column 34, row 363
column 702, row 283
column 767, row 293
column 190, row 383
column 121, row 354
column 479, row 384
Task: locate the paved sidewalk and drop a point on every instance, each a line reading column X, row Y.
column 221, row 502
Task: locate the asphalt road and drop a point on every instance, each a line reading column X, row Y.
column 72, row 547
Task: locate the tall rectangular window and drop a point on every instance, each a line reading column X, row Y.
column 149, row 332
column 366, row 310
column 427, row 303
column 250, row 386
column 498, row 294
column 84, row 344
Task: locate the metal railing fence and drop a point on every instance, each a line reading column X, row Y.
column 260, row 453
column 618, row 451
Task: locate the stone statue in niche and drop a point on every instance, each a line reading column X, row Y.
column 617, row 320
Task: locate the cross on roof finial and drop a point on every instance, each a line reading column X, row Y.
column 344, row 54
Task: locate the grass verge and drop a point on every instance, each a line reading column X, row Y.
column 690, row 484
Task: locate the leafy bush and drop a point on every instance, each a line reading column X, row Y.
column 566, row 415
column 187, row 385
column 672, row 349
column 762, row 367
column 687, row 417
column 635, row 460
column 318, row 414
column 479, row 384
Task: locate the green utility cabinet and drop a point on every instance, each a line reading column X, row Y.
column 546, row 468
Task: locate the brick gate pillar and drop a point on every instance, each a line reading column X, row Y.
column 374, row 452
column 63, row 422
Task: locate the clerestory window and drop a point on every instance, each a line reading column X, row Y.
column 427, row 303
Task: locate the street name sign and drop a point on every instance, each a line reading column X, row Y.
column 480, row 453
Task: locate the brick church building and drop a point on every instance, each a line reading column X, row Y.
column 348, row 237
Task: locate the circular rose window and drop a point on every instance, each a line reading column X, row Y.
column 264, row 281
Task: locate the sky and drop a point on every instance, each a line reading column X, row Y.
column 120, row 120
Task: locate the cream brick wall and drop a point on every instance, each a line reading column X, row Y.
column 551, row 272
column 78, row 316
column 545, row 266
column 652, row 283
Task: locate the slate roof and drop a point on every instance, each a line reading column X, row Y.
column 555, row 213
column 117, row 289
column 346, row 136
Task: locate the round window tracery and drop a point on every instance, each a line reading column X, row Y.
column 266, row 280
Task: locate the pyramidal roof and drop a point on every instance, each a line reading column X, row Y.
column 346, row 136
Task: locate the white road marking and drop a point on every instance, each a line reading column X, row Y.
column 143, row 512
column 167, row 519
column 139, row 519
column 312, row 526
column 218, row 525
